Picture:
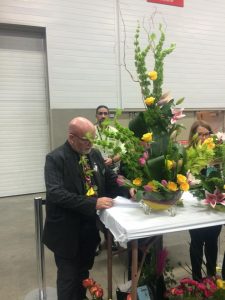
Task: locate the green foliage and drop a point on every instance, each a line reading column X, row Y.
column 159, row 55
column 140, row 62
column 198, row 157
column 149, row 275
column 218, row 295
column 131, row 149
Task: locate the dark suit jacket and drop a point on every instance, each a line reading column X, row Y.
column 68, row 209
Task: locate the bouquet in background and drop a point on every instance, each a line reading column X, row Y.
column 211, row 180
column 95, row 289
column 189, row 289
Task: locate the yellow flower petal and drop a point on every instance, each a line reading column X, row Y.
column 137, row 181
column 149, row 101
column 169, row 164
column 90, row 192
column 184, row 186
column 181, row 178
column 153, row 75
column 172, row 186
column 220, row 284
column 147, row 137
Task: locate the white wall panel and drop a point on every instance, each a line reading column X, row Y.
column 23, row 114
column 195, row 69
column 82, row 46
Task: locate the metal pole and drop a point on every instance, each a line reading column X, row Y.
column 40, row 247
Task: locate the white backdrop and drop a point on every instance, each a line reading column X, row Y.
column 84, row 46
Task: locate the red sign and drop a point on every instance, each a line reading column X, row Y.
column 169, row 2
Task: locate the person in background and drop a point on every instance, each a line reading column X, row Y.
column 78, row 183
column 203, row 238
column 111, row 160
column 102, row 113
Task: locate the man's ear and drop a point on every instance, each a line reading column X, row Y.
column 70, row 138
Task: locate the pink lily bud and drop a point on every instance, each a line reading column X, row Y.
column 148, row 188
column 164, row 182
column 145, row 155
column 142, row 161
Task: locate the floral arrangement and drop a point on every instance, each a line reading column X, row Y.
column 95, row 289
column 210, row 186
column 152, row 160
column 190, row 289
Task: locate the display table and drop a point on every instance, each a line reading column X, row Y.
column 127, row 222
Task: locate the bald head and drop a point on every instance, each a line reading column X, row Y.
column 81, row 126
column 78, row 130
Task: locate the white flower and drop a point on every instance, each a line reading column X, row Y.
column 220, row 136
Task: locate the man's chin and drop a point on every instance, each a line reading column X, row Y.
column 86, row 151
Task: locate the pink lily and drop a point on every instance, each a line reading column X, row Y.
column 216, row 198
column 177, row 114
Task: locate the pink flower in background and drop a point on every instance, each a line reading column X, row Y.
column 164, row 182
column 177, row 114
column 148, row 188
column 161, row 261
column 213, row 199
column 146, row 155
column 142, row 161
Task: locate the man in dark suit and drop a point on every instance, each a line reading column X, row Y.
column 78, row 184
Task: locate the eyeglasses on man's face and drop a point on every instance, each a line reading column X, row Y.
column 82, row 139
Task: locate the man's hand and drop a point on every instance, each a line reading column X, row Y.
column 108, row 161
column 104, row 202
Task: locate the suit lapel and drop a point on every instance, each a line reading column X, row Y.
column 74, row 168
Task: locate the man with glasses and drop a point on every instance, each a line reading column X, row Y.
column 78, row 183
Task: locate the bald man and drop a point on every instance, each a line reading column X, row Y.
column 78, row 183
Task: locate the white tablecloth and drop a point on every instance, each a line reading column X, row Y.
column 127, row 221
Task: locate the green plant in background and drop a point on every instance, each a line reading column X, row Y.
column 211, row 185
column 159, row 108
column 157, row 272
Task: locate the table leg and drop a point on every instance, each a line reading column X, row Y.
column 109, row 263
column 134, row 268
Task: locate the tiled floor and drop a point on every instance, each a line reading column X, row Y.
column 18, row 268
